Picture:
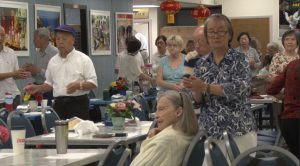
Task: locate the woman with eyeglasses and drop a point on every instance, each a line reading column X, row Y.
column 221, row 85
column 171, row 69
column 244, row 40
column 176, row 126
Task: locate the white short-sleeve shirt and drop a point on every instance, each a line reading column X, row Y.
column 8, row 63
column 75, row 67
column 130, row 67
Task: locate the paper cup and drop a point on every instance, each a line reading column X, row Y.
column 18, row 139
column 128, row 93
column 44, row 103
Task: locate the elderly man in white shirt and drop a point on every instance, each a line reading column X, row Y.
column 71, row 75
column 9, row 71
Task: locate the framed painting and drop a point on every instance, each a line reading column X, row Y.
column 124, row 23
column 289, row 15
column 49, row 17
column 14, row 20
column 100, row 32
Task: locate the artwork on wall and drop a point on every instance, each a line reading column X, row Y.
column 100, row 32
column 49, row 17
column 124, row 22
column 289, row 15
column 14, row 20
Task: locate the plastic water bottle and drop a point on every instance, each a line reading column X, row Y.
column 9, row 101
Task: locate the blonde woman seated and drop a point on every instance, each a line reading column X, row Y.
column 171, row 69
column 177, row 124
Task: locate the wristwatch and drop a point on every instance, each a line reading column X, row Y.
column 81, row 86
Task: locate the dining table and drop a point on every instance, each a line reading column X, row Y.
column 49, row 157
column 131, row 134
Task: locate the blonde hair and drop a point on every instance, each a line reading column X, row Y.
column 187, row 122
column 178, row 39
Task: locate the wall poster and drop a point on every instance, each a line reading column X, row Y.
column 14, row 20
column 100, row 32
column 49, row 17
column 124, row 23
column 289, row 15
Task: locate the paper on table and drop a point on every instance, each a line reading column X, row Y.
column 4, row 155
column 52, row 135
column 71, row 156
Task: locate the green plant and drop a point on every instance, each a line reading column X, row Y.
column 122, row 109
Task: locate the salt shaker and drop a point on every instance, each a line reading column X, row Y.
column 61, row 136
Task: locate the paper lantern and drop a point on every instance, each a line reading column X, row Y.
column 170, row 7
column 200, row 13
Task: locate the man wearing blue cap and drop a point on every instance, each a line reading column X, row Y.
column 71, row 75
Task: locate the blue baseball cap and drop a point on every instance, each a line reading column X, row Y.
column 66, row 28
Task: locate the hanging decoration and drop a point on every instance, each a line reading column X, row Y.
column 200, row 13
column 171, row 7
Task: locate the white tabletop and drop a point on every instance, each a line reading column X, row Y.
column 49, row 157
column 267, row 99
column 134, row 134
column 255, row 107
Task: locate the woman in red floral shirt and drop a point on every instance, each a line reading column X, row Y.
column 281, row 60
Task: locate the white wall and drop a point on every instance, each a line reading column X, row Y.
column 254, row 8
column 153, row 18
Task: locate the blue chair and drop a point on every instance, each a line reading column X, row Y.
column 213, row 154
column 279, row 157
column 4, row 114
column 8, row 144
column 231, row 147
column 94, row 111
column 143, row 115
column 17, row 118
column 194, row 155
column 117, row 153
column 48, row 117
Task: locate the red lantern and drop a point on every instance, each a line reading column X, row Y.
column 170, row 7
column 200, row 13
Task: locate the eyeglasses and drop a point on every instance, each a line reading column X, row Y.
column 218, row 33
column 172, row 45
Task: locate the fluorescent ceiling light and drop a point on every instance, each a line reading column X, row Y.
column 144, row 6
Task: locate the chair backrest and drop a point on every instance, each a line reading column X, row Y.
column 8, row 144
column 116, row 154
column 17, row 118
column 143, row 115
column 213, row 154
column 280, row 157
column 194, row 155
column 49, row 116
column 231, row 147
column 4, row 114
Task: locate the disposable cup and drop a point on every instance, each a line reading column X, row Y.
column 18, row 139
column 44, row 103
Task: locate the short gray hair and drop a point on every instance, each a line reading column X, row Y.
column 43, row 33
column 187, row 122
column 178, row 39
column 273, row 46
